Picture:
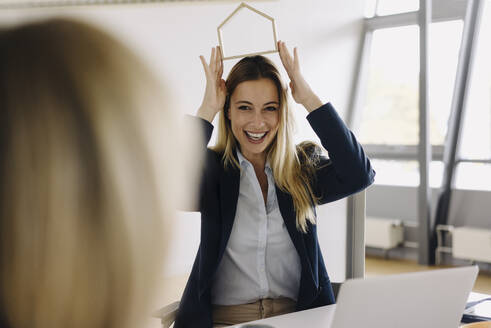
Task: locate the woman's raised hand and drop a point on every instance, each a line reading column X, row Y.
column 215, row 92
column 301, row 91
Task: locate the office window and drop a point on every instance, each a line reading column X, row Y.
column 473, row 176
column 405, row 173
column 445, row 38
column 476, row 131
column 390, row 113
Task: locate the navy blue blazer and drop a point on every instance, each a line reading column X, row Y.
column 346, row 171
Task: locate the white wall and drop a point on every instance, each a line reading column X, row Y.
column 171, row 36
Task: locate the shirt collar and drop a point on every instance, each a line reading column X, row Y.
column 244, row 161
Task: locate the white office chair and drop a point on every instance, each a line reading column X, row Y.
column 355, row 253
column 167, row 314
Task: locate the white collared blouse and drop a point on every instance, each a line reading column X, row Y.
column 260, row 260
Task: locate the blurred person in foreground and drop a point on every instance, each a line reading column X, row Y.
column 82, row 209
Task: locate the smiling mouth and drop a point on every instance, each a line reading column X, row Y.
column 256, row 137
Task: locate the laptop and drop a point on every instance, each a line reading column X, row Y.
column 435, row 298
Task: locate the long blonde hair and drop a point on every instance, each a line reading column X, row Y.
column 82, row 233
column 293, row 167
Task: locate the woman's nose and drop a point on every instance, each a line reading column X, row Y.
column 259, row 121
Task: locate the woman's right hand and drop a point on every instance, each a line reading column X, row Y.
column 215, row 92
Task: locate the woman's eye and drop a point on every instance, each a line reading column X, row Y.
column 271, row 108
column 243, row 107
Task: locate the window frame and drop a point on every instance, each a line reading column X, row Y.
column 470, row 12
column 443, row 10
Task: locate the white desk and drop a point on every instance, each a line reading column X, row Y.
column 476, row 296
column 317, row 318
column 313, row 318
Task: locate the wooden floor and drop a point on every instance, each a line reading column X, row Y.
column 378, row 266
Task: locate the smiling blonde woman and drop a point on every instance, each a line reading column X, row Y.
column 259, row 255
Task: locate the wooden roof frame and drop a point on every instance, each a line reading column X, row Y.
column 244, row 5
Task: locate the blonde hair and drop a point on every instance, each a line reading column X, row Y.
column 293, row 167
column 81, row 220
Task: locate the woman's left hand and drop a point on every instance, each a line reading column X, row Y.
column 301, row 91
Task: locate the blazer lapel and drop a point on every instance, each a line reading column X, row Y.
column 229, row 195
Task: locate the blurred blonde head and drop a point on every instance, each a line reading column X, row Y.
column 81, row 214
